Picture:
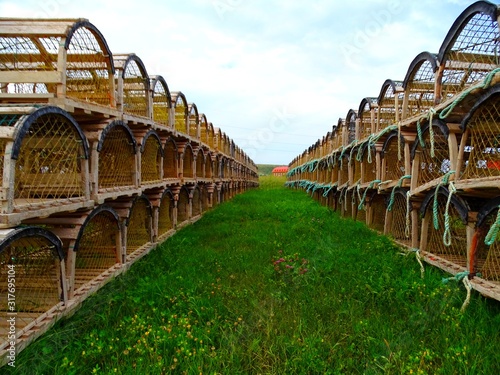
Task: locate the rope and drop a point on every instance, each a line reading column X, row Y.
column 393, row 192
column 431, row 114
column 418, row 257
column 370, row 186
column 408, row 209
column 447, row 231
column 419, row 133
column 444, row 181
column 327, row 191
column 464, row 277
column 492, row 233
column 483, row 85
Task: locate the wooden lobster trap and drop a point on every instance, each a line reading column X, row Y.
column 389, row 104
column 132, row 83
column 444, row 232
column 366, row 119
column 419, row 84
column 194, row 121
column 394, row 162
column 33, row 286
column 161, row 101
column 469, row 51
column 181, row 113
column 478, row 167
column 376, row 206
column 151, row 159
column 63, row 60
column 398, row 220
column 44, row 163
column 116, row 172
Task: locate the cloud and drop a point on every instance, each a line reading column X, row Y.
column 274, row 75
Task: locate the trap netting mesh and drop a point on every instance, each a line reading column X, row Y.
column 376, row 210
column 366, row 118
column 388, row 113
column 419, row 89
column 433, row 155
column 196, row 202
column 139, row 225
column 393, row 159
column 193, row 122
column 180, row 115
column 49, row 162
column 135, row 90
column 188, row 163
column 96, row 248
column 208, row 166
column 116, row 159
column 151, row 160
column 368, row 164
column 183, row 206
column 400, row 222
column 88, row 68
column 161, row 102
column 482, row 152
column 446, row 237
column 486, row 254
column 170, row 160
column 474, row 53
column 200, row 161
column 165, row 214
column 34, row 264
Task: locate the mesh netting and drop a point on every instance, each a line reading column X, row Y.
column 49, row 162
column 211, row 136
column 135, row 91
column 161, row 104
column 394, row 167
column 188, row 163
column 33, row 262
column 97, row 250
column 398, row 228
column 366, row 118
column 457, row 251
column 487, row 258
column 87, row 68
column 116, row 160
column 377, row 209
column 196, row 202
column 351, row 128
column 369, row 172
column 170, row 160
column 431, row 168
column 183, row 206
column 474, row 53
column 344, row 170
column 193, row 123
column 204, row 199
column 180, row 115
column 420, row 90
column 387, row 111
column 200, row 161
column 355, row 164
column 139, row 226
column 216, row 168
column 165, row 215
column 151, row 160
column 482, row 154
column 208, row 166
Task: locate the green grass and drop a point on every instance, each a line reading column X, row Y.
column 221, row 297
column 266, row 169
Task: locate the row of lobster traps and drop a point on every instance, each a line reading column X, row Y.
column 50, row 162
column 57, row 261
column 68, row 63
column 432, row 184
column 421, row 162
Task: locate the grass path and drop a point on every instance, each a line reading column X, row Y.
column 273, row 283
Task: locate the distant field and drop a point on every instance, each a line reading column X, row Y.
column 266, row 169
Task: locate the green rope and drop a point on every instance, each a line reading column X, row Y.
column 418, row 256
column 483, row 85
column 458, row 277
column 444, row 181
column 408, row 210
column 464, row 277
column 492, row 233
column 393, row 192
column 419, row 133
column 370, row 186
column 431, row 114
column 447, row 231
column 327, row 191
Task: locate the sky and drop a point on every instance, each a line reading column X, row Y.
column 274, row 75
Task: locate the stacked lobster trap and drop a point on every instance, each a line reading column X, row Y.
column 421, row 161
column 98, row 162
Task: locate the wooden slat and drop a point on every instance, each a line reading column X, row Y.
column 31, row 77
